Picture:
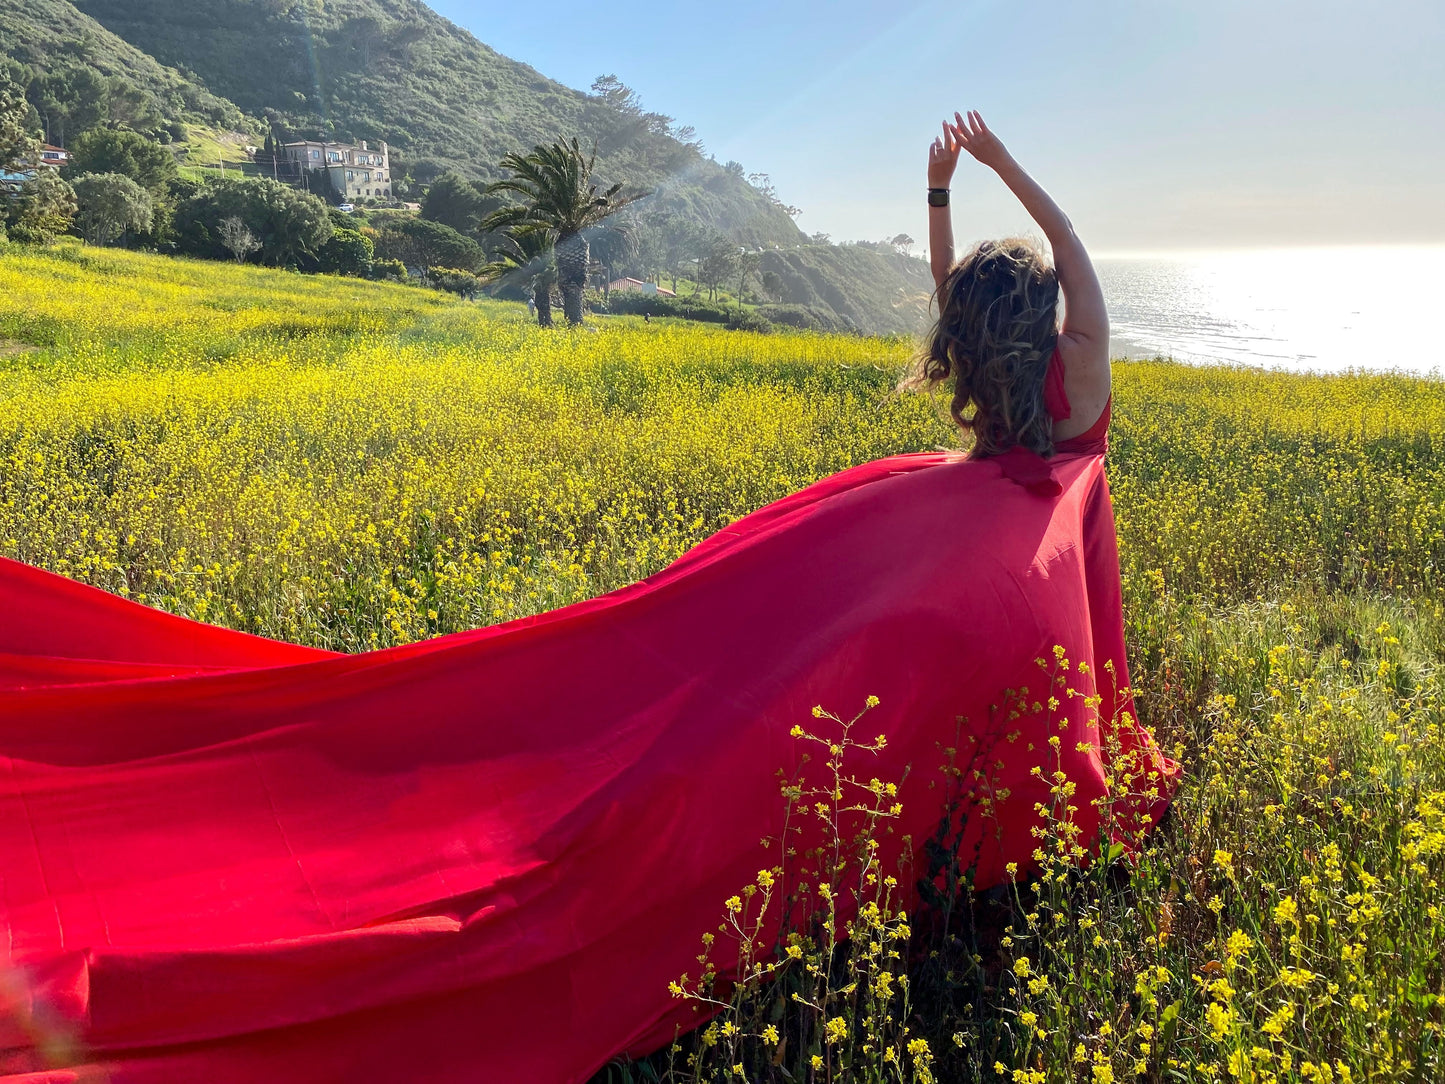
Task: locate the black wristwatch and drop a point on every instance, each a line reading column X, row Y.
column 938, row 197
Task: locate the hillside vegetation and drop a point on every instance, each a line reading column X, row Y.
column 395, row 70
column 353, row 465
column 870, row 290
column 55, row 38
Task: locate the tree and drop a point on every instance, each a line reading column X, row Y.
column 18, row 144
column 236, row 237
column 748, row 263
column 128, row 104
column 772, row 284
column 110, row 205
column 348, row 252
column 70, row 100
column 457, row 202
column 108, row 150
column 903, row 243
column 685, row 241
column 617, row 94
column 623, row 120
column 294, row 225
column 421, row 243
column 42, row 210
column 719, row 263
column 558, row 197
column 615, row 248
column 291, row 225
column 529, row 261
column 764, row 184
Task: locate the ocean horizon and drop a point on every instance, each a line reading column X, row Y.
column 1316, row 309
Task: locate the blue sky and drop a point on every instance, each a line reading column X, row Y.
column 1159, row 125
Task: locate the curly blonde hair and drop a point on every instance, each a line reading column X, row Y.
column 996, row 330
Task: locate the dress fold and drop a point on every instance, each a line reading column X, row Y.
column 224, row 858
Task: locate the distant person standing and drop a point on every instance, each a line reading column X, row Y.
column 646, row 317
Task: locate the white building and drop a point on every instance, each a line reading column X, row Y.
column 356, row 172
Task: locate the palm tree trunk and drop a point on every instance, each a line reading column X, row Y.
column 572, row 256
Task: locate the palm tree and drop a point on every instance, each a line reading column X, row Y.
column 558, row 198
column 526, row 258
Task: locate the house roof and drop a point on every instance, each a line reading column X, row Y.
column 630, row 283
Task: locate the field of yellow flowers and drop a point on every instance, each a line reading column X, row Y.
column 354, row 465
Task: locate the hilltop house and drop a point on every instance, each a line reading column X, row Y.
column 356, row 172
column 14, row 174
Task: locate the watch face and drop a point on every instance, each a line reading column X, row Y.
column 938, row 199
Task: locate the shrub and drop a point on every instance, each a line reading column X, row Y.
column 347, row 253
column 749, row 321
column 802, row 317
column 454, row 281
column 43, row 210
column 388, row 269
column 110, row 205
column 623, row 302
column 292, row 226
column 418, row 242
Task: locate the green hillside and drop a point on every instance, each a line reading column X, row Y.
column 395, row 70
column 69, row 62
column 871, row 290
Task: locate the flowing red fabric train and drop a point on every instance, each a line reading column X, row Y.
column 484, row 856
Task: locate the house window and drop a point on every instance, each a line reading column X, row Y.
column 315, row 153
column 348, row 174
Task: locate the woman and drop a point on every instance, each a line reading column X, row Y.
column 484, row 856
column 1033, row 382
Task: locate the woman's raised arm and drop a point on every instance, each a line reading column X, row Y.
column 1084, row 335
column 942, row 158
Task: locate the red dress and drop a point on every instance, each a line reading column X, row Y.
column 484, row 856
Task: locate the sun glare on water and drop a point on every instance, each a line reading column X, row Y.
column 1323, row 309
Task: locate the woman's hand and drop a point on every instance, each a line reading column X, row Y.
column 971, row 134
column 943, row 157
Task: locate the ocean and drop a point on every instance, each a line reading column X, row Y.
column 1316, row 309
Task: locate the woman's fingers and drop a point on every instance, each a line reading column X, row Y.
column 962, row 133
